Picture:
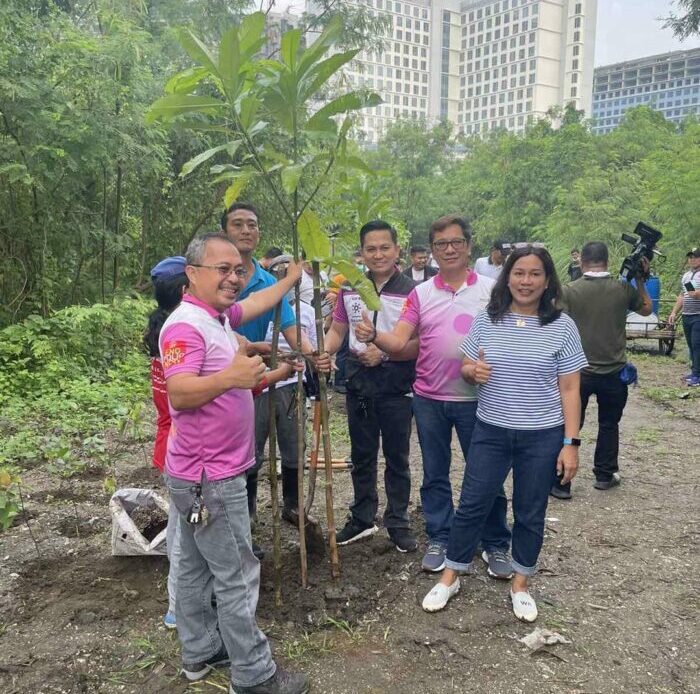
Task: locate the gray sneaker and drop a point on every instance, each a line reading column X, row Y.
column 498, row 564
column 282, row 682
column 434, row 558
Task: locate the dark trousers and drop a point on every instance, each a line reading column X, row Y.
column 494, row 451
column 388, row 416
column 611, row 395
column 691, row 330
column 435, row 421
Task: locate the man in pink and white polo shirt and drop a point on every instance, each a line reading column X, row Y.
column 440, row 311
column 209, row 378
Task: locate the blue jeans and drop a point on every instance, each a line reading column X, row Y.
column 494, row 451
column 435, row 420
column 691, row 330
column 217, row 556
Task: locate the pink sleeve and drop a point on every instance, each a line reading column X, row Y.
column 182, row 349
column 234, row 313
column 410, row 313
column 339, row 313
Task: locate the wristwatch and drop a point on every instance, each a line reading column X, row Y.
column 568, row 441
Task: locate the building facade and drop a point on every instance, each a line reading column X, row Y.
column 668, row 83
column 482, row 64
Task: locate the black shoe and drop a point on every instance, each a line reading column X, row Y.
column 403, row 539
column 614, row 481
column 197, row 671
column 353, row 532
column 282, row 682
column 559, row 491
column 258, row 551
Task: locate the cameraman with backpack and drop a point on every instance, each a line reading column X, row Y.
column 688, row 303
column 599, row 303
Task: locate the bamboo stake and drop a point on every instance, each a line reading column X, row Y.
column 274, row 492
column 323, row 395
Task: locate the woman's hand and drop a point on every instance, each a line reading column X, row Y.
column 476, row 372
column 567, row 463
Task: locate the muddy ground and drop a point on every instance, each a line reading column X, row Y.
column 618, row 580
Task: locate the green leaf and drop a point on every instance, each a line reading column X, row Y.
column 314, row 242
column 290, row 177
column 328, row 36
column 197, row 51
column 184, row 82
column 322, row 72
column 168, row 107
column 230, row 62
column 358, row 280
column 342, row 104
column 251, row 38
column 192, row 164
column 236, row 188
column 248, row 109
column 289, row 47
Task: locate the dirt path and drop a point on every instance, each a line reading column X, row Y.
column 618, row 580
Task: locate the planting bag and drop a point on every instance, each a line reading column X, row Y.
column 127, row 538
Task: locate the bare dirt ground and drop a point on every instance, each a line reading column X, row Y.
column 618, row 580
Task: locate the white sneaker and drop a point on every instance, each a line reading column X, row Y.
column 439, row 596
column 524, row 606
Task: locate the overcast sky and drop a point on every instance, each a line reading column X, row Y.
column 627, row 29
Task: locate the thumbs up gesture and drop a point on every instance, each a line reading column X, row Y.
column 482, row 369
column 365, row 330
column 245, row 372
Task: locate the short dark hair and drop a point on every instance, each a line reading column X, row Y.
column 595, row 253
column 448, row 221
column 377, row 225
column 238, row 206
column 272, row 252
column 168, row 294
column 498, row 245
column 501, row 298
column 418, row 249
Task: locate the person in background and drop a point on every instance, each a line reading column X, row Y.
column 525, row 356
column 270, row 254
column 209, row 376
column 492, row 264
column 574, row 269
column 688, row 303
column 169, row 284
column 359, row 263
column 440, row 312
column 598, row 304
column 419, row 270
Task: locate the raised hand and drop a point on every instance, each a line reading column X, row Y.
column 365, row 330
column 294, row 271
column 482, row 369
column 245, row 372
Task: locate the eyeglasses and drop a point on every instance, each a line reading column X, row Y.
column 225, row 271
column 526, row 244
column 457, row 244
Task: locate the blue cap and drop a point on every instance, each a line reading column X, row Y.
column 168, row 267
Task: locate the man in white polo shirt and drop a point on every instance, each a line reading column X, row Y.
column 441, row 312
column 209, row 379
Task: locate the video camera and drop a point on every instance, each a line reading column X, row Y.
column 644, row 246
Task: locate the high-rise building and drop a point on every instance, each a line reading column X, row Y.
column 276, row 23
column 669, row 83
column 482, row 64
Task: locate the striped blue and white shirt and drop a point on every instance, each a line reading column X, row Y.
column 526, row 359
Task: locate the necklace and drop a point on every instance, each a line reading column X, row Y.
column 520, row 323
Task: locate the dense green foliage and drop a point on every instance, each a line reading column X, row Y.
column 66, row 379
column 561, row 185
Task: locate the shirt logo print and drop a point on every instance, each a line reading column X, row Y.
column 174, row 353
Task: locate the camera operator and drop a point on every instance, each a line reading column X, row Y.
column 688, row 303
column 599, row 303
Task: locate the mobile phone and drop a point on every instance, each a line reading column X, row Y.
column 689, row 286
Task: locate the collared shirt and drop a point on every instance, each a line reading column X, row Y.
column 255, row 330
column 691, row 307
column 389, row 377
column 216, row 438
column 443, row 317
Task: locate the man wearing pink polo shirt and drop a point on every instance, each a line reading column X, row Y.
column 209, row 378
column 440, row 311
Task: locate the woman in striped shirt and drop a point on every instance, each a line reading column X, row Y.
column 525, row 356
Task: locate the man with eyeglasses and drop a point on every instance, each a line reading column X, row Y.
column 440, row 311
column 209, row 377
column 240, row 224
